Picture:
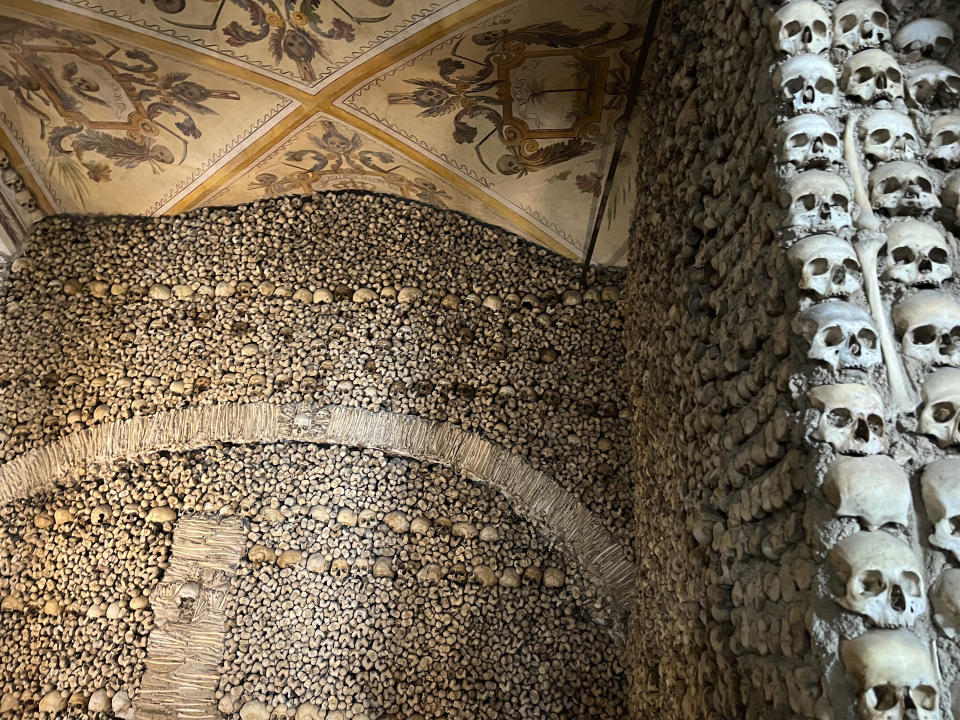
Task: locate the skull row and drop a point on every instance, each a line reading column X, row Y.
column 803, row 26
column 808, row 82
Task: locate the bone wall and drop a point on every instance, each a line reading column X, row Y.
column 811, row 320
column 432, row 596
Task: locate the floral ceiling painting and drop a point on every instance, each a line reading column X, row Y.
column 507, row 111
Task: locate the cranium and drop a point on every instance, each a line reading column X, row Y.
column 801, row 27
column 860, row 24
column 940, row 415
column 917, row 253
column 840, row 334
column 818, row 202
column 931, row 86
column 872, row 75
column 888, row 135
column 945, row 597
column 902, row 188
column 457, row 573
column 808, row 82
column 943, row 151
column 808, row 141
column 188, row 592
column 894, row 674
column 873, row 489
column 928, row 36
column 883, row 578
column 827, row 265
column 941, row 496
column 929, row 323
column 340, row 568
column 851, row 418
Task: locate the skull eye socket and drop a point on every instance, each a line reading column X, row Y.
column 809, row 201
column 880, row 135
column 889, row 185
column 799, row 140
column 851, row 265
column 833, row 336
column 882, row 698
column 825, row 85
column 819, row 27
column 839, row 417
column 924, row 335
column 819, row 266
column 875, row 423
column 910, row 584
column 943, row 412
column 867, row 338
column 945, row 137
column 903, row 256
column 924, row 183
column 848, row 23
column 830, row 140
column 938, row 255
column 942, row 44
column 839, row 200
column 954, row 524
column 863, row 74
column 793, row 28
column 953, row 82
column 879, row 19
column 893, row 75
column 924, row 697
column 871, row 583
column 795, row 85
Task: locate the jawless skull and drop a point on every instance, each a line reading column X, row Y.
column 894, row 675
column 902, row 188
column 808, row 83
column 802, row 27
column 817, row 201
column 917, row 254
column 860, row 24
column 929, row 37
column 874, row 489
column 808, row 141
column 883, row 578
column 932, row 86
column 945, row 598
column 841, row 335
column 889, row 135
column 929, row 325
column 940, row 410
column 851, row 418
column 943, row 150
column 940, row 486
column 827, row 266
column 872, row 75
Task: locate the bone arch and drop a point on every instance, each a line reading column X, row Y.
column 534, row 495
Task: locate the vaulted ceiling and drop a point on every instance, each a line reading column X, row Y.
column 508, row 111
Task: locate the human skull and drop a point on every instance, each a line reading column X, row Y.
column 873, row 489
column 940, row 486
column 872, row 75
column 883, row 578
column 840, row 334
column 928, row 36
column 808, row 83
column 895, row 677
column 945, row 597
column 902, row 188
column 940, row 416
column 943, row 150
column 917, row 253
column 929, row 324
column 340, row 568
column 187, row 592
column 932, row 86
column 827, row 265
column 817, row 201
column 851, row 418
column 801, row 27
column 808, row 141
column 860, row 24
column 888, row 135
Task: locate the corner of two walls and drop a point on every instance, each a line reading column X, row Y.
column 793, row 331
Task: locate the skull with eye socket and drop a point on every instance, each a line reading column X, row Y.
column 840, row 334
column 943, row 150
column 851, row 418
column 860, row 24
column 872, row 75
column 808, row 83
column 929, row 37
column 941, row 496
column 917, row 254
column 808, row 141
column 902, row 188
column 801, row 26
column 827, row 265
column 817, row 201
column 929, row 323
column 888, row 135
column 940, row 411
column 932, row 86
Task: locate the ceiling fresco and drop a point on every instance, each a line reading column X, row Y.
column 507, row 111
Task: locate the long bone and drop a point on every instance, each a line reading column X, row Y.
column 869, row 241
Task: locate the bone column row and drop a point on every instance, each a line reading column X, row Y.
column 870, row 130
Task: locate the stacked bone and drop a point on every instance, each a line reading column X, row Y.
column 874, row 255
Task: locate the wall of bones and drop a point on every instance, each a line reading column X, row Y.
column 187, row 525
column 808, row 300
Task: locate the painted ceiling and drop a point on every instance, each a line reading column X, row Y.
column 507, row 111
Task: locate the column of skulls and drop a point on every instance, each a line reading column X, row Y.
column 863, row 85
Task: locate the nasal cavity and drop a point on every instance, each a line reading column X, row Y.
column 925, row 265
column 807, row 36
column 897, row 601
column 862, row 433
